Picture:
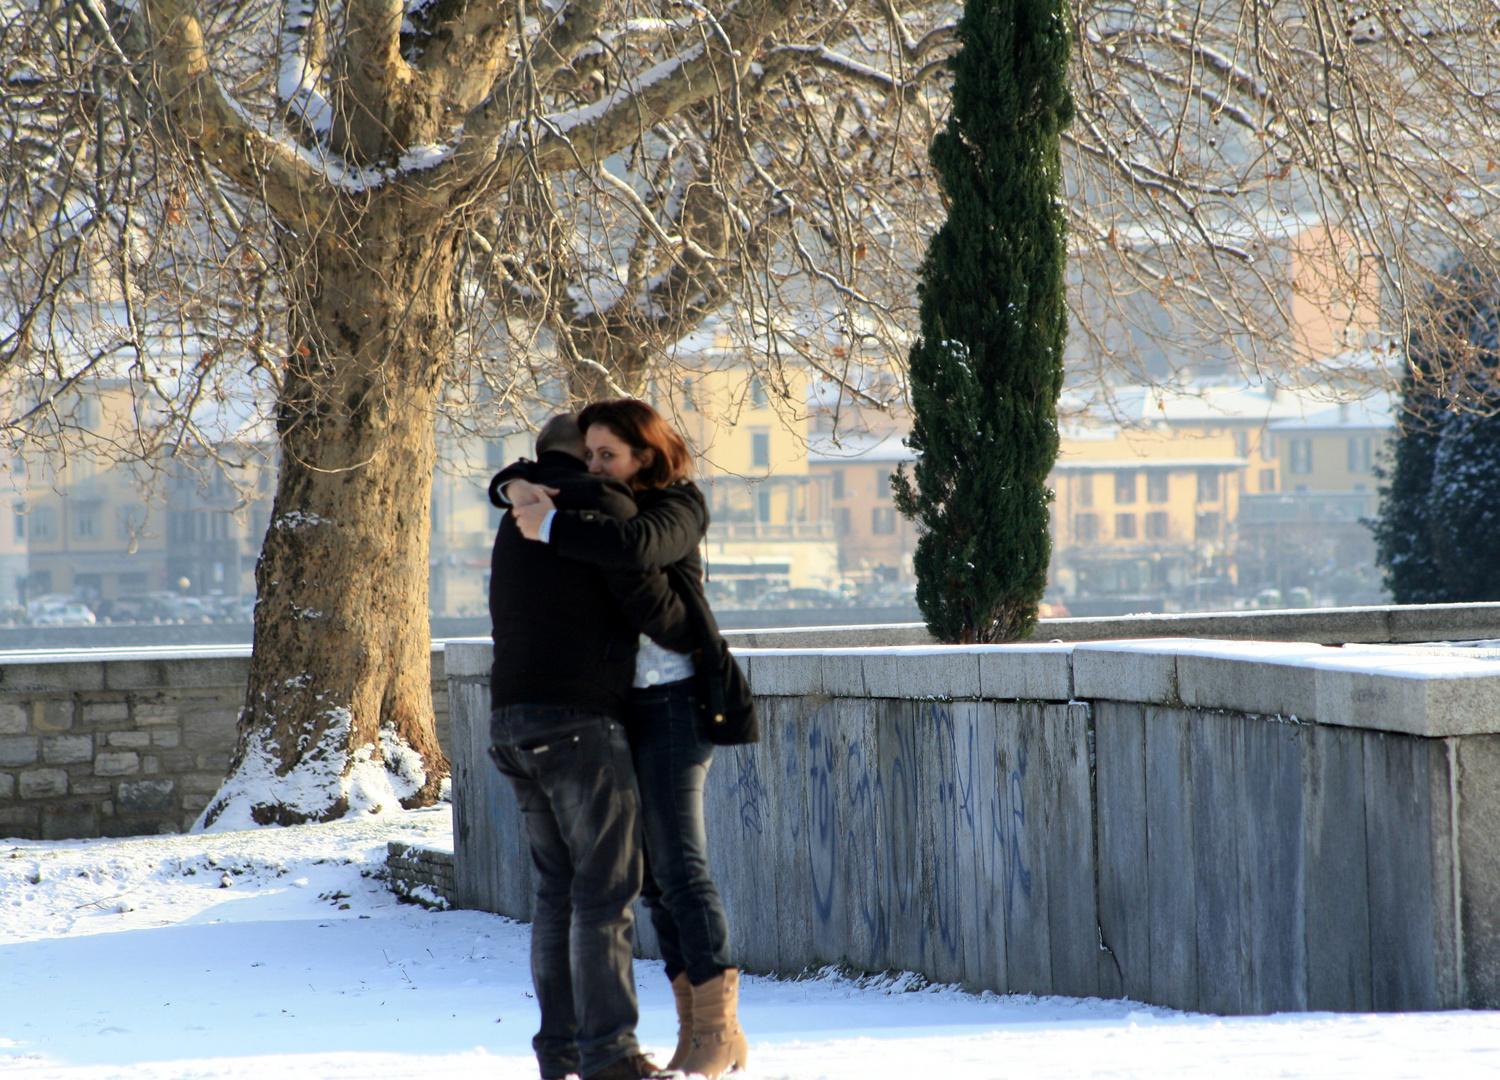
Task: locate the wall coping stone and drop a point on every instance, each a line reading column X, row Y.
column 145, row 667
column 1427, row 692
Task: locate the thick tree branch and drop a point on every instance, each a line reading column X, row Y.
column 203, row 114
column 463, row 53
column 373, row 85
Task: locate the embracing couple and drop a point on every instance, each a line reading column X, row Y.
column 605, row 651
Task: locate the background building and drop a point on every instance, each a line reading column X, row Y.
column 1218, row 498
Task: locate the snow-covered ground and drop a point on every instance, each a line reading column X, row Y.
column 274, row 953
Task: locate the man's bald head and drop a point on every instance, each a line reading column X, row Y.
column 561, row 433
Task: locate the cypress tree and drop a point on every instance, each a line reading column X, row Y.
column 1438, row 531
column 987, row 370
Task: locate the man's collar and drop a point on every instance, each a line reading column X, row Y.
column 561, row 459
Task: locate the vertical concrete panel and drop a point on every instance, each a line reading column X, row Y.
column 794, row 907
column 1479, row 855
column 1171, row 858
column 826, row 845
column 1334, row 872
column 855, row 775
column 984, row 928
column 971, row 720
column 942, row 817
column 1216, row 880
column 1398, row 809
column 741, row 815
column 492, row 859
column 1271, row 866
column 1028, row 945
column 1073, row 926
column 900, row 796
column 1442, row 829
column 1124, row 895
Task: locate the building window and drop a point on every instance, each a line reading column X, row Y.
column 882, row 483
column 1242, row 443
column 1267, row 446
column 882, row 520
column 1158, row 486
column 760, row 449
column 1083, row 489
column 842, row 521
column 838, row 483
column 1359, row 454
column 18, row 520
column 1158, row 525
column 763, row 505
column 1268, row 480
column 1125, row 486
column 1124, row 526
column 1207, row 526
column 1208, row 485
column 1299, row 456
column 44, row 523
column 1086, row 527
column 758, row 397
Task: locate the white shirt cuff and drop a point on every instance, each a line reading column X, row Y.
column 545, row 536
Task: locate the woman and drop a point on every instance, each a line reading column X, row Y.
column 627, row 440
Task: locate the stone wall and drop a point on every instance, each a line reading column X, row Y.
column 123, row 742
column 1232, row 827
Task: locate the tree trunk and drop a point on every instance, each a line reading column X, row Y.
column 338, row 713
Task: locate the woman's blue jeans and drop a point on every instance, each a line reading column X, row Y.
column 671, row 766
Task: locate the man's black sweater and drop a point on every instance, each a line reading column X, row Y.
column 566, row 631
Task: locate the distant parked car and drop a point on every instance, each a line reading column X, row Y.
column 64, row 615
column 802, row 598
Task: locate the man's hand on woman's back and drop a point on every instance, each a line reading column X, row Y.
column 532, row 515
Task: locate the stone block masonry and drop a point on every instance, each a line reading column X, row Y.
column 115, row 742
column 421, row 875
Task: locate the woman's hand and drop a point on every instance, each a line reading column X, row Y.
column 529, row 517
column 524, row 492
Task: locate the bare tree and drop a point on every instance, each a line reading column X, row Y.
column 366, row 211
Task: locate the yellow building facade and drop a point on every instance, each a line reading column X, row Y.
column 1151, row 509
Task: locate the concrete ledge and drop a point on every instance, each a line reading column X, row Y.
column 1321, row 626
column 830, row 637
column 1410, row 693
column 1026, row 672
column 151, row 667
column 466, row 658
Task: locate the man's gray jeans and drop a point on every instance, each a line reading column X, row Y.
column 576, row 787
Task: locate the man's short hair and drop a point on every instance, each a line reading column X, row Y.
column 560, row 433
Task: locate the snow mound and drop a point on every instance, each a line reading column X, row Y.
column 326, row 777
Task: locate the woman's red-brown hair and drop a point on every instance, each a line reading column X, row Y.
column 641, row 428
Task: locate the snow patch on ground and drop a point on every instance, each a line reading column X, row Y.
column 370, row 782
column 133, row 959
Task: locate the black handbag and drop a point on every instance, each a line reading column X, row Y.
column 726, row 709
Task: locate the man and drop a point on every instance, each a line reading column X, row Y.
column 565, row 640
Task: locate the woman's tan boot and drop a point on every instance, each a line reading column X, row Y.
column 719, row 1044
column 682, row 990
